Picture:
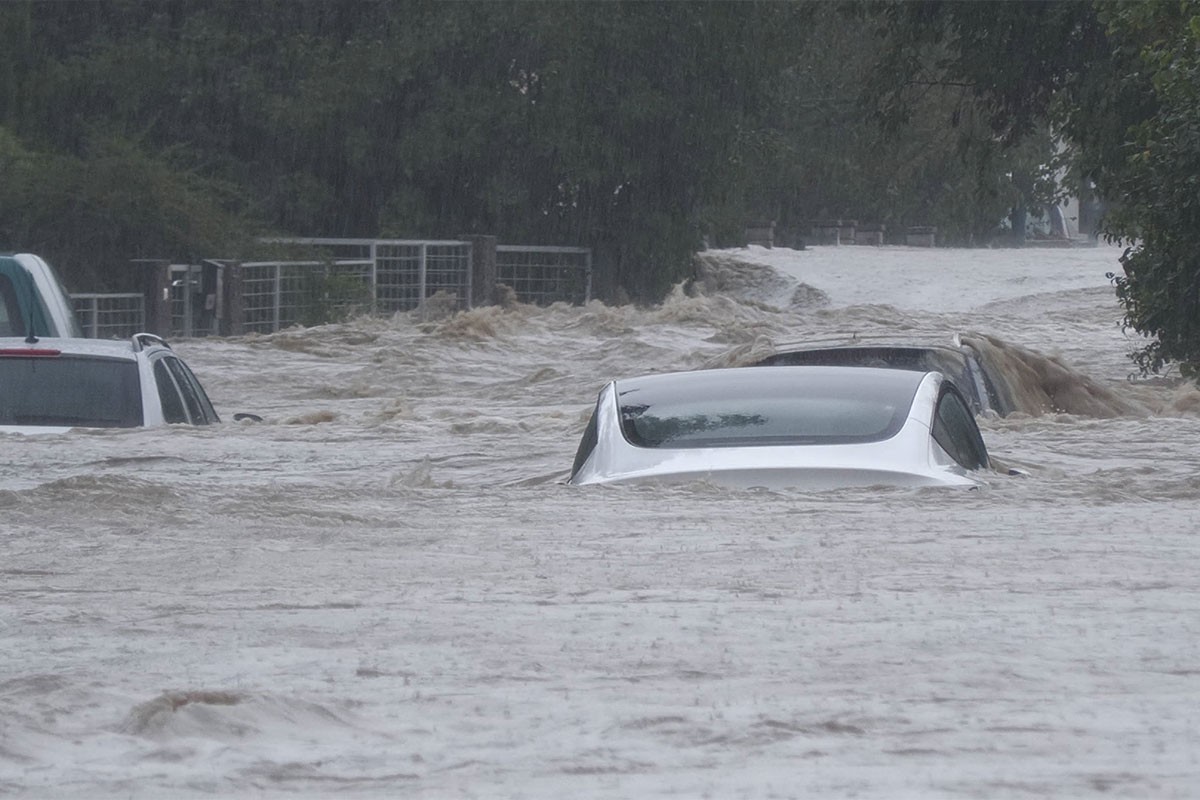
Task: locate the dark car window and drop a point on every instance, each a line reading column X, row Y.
column 955, row 430
column 77, row 391
column 11, row 321
column 168, row 394
column 958, row 365
column 766, row 406
column 197, row 402
column 25, row 307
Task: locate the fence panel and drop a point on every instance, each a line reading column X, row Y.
column 261, row 297
column 279, row 294
column 349, row 276
column 545, row 275
column 402, row 272
column 448, row 270
column 398, row 276
column 110, row 316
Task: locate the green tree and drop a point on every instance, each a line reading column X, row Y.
column 641, row 112
column 1121, row 83
column 606, row 124
column 1012, row 78
column 822, row 154
column 180, row 129
column 1155, row 176
column 97, row 212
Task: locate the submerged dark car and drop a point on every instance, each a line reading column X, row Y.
column 962, row 364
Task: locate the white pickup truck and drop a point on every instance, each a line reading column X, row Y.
column 33, row 300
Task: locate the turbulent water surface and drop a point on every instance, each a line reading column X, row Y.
column 385, row 589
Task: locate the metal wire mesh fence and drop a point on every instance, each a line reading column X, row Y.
column 279, row 294
column 402, row 273
column 409, row 272
column 110, row 316
column 545, row 275
column 344, row 277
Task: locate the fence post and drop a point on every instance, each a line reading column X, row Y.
column 483, row 269
column 587, row 292
column 186, row 284
column 422, row 272
column 94, row 317
column 233, row 305
column 374, row 277
column 276, row 292
column 155, row 283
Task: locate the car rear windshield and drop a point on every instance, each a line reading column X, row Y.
column 73, row 391
column 766, row 406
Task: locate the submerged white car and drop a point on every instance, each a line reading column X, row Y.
column 53, row 385
column 781, row 426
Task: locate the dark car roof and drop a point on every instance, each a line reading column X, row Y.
column 749, row 380
column 957, row 364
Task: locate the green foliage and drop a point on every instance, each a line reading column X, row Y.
column 178, row 130
column 329, row 297
column 607, row 125
column 997, row 79
column 1119, row 82
column 116, row 203
column 1158, row 181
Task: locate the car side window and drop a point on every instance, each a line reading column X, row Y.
column 168, row 394
column 955, row 430
column 198, row 405
column 10, row 310
column 194, row 411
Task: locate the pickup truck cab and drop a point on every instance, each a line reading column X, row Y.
column 33, row 300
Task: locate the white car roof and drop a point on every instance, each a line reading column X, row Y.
column 107, row 348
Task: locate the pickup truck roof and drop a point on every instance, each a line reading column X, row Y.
column 33, row 300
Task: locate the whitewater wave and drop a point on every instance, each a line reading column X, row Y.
column 1037, row 384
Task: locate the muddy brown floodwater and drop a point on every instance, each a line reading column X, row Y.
column 385, row 589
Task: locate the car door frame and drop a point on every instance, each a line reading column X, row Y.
column 200, row 410
column 974, row 437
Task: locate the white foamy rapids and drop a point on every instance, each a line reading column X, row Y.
column 385, row 588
